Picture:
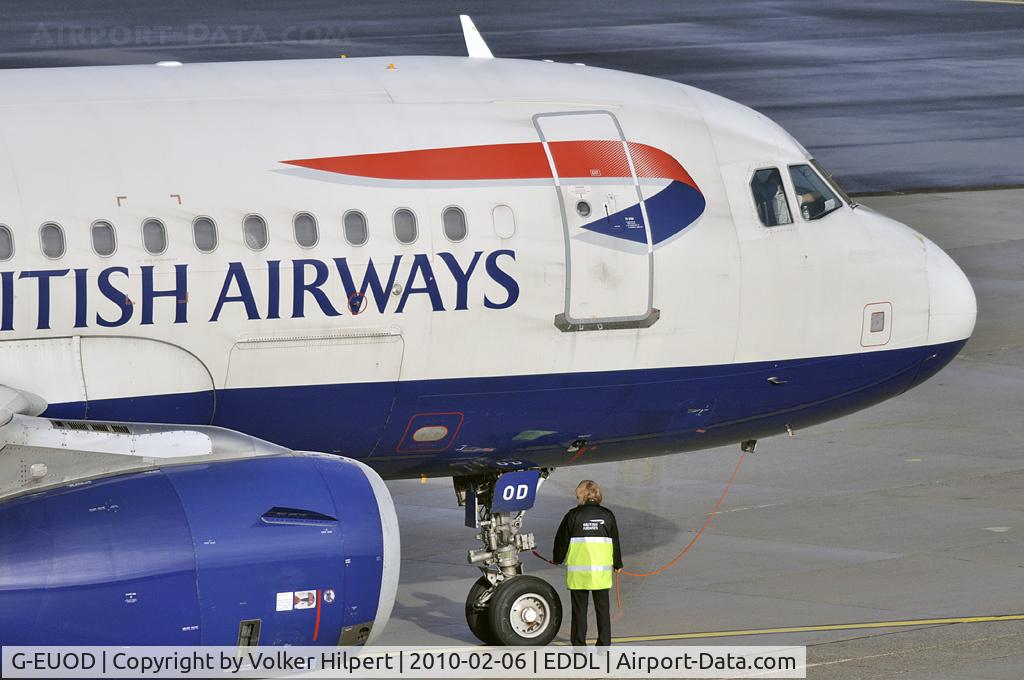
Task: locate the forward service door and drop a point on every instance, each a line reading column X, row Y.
column 609, row 256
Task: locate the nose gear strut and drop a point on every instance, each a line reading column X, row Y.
column 504, row 606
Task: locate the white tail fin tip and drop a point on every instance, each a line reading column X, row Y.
column 475, row 45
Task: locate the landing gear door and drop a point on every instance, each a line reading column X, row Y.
column 609, row 256
column 515, row 491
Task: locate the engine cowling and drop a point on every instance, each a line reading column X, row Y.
column 298, row 549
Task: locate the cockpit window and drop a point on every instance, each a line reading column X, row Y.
column 827, row 176
column 770, row 198
column 815, row 198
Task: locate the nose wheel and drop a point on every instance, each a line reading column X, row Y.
column 522, row 610
column 504, row 606
column 525, row 610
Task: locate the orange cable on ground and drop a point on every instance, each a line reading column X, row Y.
column 693, row 541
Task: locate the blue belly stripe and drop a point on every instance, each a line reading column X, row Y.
column 535, row 418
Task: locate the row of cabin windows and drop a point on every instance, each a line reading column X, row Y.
column 254, row 231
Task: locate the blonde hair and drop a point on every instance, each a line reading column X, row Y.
column 588, row 490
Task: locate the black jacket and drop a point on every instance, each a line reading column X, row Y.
column 572, row 527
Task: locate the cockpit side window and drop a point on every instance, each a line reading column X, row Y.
column 814, row 196
column 770, row 198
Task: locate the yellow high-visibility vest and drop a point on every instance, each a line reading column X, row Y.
column 589, row 563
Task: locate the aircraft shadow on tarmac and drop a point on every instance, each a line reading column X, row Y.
column 433, row 612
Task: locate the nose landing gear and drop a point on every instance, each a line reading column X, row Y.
column 505, row 606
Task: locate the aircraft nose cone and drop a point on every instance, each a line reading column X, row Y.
column 953, row 308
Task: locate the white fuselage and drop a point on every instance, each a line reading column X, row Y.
column 125, row 145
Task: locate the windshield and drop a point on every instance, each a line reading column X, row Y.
column 814, row 197
column 833, row 183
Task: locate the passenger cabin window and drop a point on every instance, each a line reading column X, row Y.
column 154, row 236
column 815, row 198
column 454, row 220
column 504, row 221
column 6, row 243
column 356, row 231
column 51, row 240
column 405, row 225
column 255, row 229
column 770, row 198
column 204, row 234
column 104, row 241
column 306, row 232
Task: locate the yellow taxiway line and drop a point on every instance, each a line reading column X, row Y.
column 814, row 629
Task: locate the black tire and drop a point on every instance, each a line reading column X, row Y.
column 478, row 619
column 515, row 602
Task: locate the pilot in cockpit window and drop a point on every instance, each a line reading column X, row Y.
column 770, row 198
column 814, row 196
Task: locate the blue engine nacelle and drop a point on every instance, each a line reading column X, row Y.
column 298, row 549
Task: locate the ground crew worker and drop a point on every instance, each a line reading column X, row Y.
column 588, row 543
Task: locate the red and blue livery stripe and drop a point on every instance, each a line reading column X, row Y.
column 670, row 210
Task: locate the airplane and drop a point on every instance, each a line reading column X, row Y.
column 236, row 297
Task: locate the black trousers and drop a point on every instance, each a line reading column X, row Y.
column 579, row 617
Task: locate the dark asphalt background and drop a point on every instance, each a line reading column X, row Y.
column 888, row 95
